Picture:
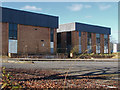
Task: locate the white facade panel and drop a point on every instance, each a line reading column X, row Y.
column 114, row 48
column 12, row 46
column 51, row 44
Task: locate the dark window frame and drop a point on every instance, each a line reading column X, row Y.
column 13, row 31
column 51, row 35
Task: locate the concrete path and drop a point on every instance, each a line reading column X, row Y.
column 38, row 59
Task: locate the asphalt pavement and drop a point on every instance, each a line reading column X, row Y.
column 72, row 67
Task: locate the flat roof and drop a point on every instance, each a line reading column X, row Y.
column 28, row 18
column 76, row 26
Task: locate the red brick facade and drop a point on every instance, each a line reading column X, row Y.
column 63, row 40
column 5, row 38
column 36, row 40
column 75, row 41
column 108, row 44
column 31, row 39
column 84, row 42
column 101, row 43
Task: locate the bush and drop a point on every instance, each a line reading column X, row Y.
column 89, row 56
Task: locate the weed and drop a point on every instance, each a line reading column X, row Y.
column 7, row 81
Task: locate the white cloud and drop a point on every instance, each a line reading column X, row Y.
column 87, row 6
column 78, row 7
column 75, row 7
column 27, row 7
column 104, row 7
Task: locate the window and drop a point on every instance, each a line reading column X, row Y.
column 97, row 43
column 52, row 35
column 79, row 42
column 52, row 40
column 89, row 38
column 79, row 34
column 58, row 40
column 105, row 43
column 89, row 42
column 13, row 31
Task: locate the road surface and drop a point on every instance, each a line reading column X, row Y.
column 73, row 67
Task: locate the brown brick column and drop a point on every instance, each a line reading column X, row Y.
column 18, row 26
column 75, row 40
column 84, row 42
column 55, row 40
column 101, row 43
column 108, row 44
column 93, row 38
column 7, row 41
column 49, row 41
column 5, row 36
column 0, row 38
column 63, row 40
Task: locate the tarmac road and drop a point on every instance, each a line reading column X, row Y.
column 72, row 67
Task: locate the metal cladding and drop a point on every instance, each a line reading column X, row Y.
column 83, row 28
column 92, row 28
column 29, row 18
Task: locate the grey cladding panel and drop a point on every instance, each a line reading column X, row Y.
column 66, row 27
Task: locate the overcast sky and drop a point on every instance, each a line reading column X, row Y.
column 96, row 13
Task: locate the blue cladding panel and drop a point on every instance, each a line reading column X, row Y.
column 92, row 28
column 29, row 18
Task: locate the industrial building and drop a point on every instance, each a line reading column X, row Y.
column 28, row 32
column 83, row 38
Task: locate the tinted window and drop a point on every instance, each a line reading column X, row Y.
column 52, row 35
column 13, row 31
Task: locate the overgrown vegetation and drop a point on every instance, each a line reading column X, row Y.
column 86, row 55
column 8, row 81
column 92, row 55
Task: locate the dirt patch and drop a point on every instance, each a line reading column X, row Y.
column 51, row 79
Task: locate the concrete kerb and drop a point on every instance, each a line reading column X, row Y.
column 89, row 60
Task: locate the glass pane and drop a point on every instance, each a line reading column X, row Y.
column 97, row 35
column 10, row 27
column 97, row 43
column 52, row 35
column 105, row 36
column 12, row 31
column 79, row 34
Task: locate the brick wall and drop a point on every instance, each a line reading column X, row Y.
column 75, row 40
column 84, row 42
column 101, row 43
column 109, row 44
column 93, row 38
column 29, row 39
column 55, row 40
column 63, row 39
column 0, row 38
column 5, row 38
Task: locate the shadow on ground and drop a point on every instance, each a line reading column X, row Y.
column 99, row 74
